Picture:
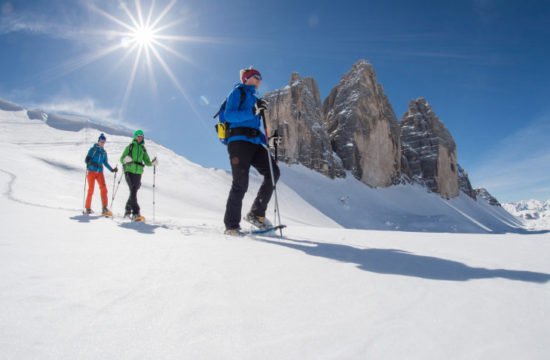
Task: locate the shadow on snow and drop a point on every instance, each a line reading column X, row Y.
column 142, row 227
column 398, row 262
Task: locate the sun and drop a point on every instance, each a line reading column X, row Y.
column 141, row 34
column 144, row 36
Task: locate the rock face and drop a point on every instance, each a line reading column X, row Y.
column 355, row 129
column 429, row 150
column 464, row 183
column 484, row 194
column 295, row 111
column 363, row 128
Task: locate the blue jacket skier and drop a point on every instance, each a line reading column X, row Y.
column 95, row 160
column 246, row 141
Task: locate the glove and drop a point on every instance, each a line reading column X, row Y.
column 128, row 160
column 155, row 162
column 275, row 138
column 115, row 170
column 260, row 106
column 88, row 159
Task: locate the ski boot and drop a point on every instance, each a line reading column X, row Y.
column 258, row 221
column 128, row 214
column 88, row 212
column 234, row 232
column 106, row 212
column 138, row 218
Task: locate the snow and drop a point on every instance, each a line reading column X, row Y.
column 534, row 213
column 76, row 287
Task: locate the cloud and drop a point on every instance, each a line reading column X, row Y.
column 518, row 167
column 34, row 25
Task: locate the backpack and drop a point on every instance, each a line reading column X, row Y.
column 222, row 125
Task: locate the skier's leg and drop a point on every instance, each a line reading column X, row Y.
column 91, row 184
column 260, row 162
column 129, row 202
column 103, row 188
column 240, row 156
column 136, row 185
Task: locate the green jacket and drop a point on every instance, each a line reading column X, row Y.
column 139, row 156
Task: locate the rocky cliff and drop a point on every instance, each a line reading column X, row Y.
column 295, row 112
column 355, row 129
column 484, row 194
column 429, row 150
column 363, row 128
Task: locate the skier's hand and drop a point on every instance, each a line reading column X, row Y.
column 128, row 160
column 115, row 170
column 155, row 161
column 260, row 106
column 88, row 159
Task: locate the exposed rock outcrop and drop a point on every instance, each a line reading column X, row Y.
column 295, row 111
column 429, row 149
column 464, row 183
column 484, row 194
column 363, row 128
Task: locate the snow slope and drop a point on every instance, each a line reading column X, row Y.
column 405, row 207
column 75, row 287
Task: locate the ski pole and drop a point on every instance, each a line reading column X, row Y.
column 84, row 192
column 154, row 188
column 117, row 186
column 277, row 213
column 114, row 184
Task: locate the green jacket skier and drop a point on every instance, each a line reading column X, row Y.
column 135, row 158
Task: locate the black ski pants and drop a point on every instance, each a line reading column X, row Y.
column 242, row 155
column 134, row 183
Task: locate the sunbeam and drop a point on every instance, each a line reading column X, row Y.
column 138, row 31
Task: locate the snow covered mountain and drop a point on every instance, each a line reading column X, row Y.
column 535, row 213
column 67, row 122
column 78, row 287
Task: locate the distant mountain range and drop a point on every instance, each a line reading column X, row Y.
column 535, row 213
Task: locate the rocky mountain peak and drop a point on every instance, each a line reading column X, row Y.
column 429, row 150
column 295, row 112
column 363, row 128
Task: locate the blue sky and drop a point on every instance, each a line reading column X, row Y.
column 482, row 64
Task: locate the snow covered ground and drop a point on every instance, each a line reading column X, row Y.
column 75, row 287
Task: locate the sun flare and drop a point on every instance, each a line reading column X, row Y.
column 144, row 36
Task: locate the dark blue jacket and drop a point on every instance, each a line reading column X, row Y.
column 243, row 116
column 96, row 158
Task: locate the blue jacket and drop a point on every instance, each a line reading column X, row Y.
column 96, row 158
column 243, row 117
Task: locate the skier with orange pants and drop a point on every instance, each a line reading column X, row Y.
column 95, row 161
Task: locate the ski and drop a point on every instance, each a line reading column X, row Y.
column 265, row 230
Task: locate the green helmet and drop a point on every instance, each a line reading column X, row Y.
column 138, row 133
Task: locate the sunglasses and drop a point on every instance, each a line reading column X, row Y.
column 257, row 77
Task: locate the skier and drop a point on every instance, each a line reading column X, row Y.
column 245, row 139
column 95, row 160
column 135, row 158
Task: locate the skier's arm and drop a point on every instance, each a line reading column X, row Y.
column 232, row 112
column 146, row 159
column 89, row 156
column 124, row 154
column 106, row 163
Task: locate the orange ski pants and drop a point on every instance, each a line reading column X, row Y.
column 92, row 178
